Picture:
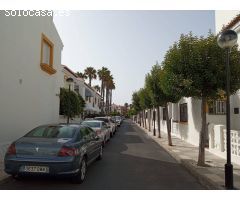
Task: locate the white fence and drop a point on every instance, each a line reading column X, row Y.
column 217, row 142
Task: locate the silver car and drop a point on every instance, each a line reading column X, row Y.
column 101, row 128
column 108, row 121
column 64, row 150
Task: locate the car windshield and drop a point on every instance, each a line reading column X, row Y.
column 52, row 132
column 103, row 119
column 118, row 118
column 92, row 124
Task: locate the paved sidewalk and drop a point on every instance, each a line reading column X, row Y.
column 212, row 176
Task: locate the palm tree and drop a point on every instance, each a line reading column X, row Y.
column 91, row 73
column 97, row 88
column 81, row 75
column 109, row 86
column 103, row 74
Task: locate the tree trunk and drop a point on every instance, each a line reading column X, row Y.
column 154, row 120
column 168, row 127
column 143, row 113
column 139, row 118
column 106, row 105
column 158, row 121
column 202, row 136
column 90, row 81
column 149, row 119
column 102, row 96
column 145, row 120
column 104, row 109
column 110, row 101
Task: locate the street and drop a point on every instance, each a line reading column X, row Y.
column 131, row 160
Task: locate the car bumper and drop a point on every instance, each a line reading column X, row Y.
column 65, row 167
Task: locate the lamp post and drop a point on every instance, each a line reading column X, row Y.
column 69, row 81
column 226, row 40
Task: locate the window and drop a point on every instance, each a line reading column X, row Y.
column 236, row 110
column 92, row 124
column 85, row 133
column 183, row 112
column 217, row 107
column 52, row 132
column 47, row 55
column 164, row 113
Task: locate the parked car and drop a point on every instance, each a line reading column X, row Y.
column 113, row 119
column 118, row 120
column 101, row 128
column 54, row 150
column 110, row 123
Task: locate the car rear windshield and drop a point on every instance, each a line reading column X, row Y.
column 92, row 124
column 103, row 119
column 52, row 132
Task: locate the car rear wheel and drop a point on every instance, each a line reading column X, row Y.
column 79, row 178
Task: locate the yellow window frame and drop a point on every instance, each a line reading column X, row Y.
column 44, row 66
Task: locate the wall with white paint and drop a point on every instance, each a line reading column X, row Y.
column 28, row 95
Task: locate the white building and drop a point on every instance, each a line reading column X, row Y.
column 89, row 94
column 30, row 78
column 92, row 99
column 217, row 130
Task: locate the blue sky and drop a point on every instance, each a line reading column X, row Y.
column 127, row 42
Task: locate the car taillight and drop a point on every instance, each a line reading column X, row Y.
column 67, row 151
column 11, row 149
column 98, row 132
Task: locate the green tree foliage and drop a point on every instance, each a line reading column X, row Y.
column 145, row 103
column 195, row 67
column 75, row 102
column 81, row 75
column 153, row 85
column 136, row 102
column 115, row 113
column 91, row 73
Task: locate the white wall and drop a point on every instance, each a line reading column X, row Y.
column 27, row 93
column 223, row 17
column 188, row 131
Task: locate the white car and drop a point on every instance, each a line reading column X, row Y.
column 101, row 128
column 118, row 120
column 110, row 123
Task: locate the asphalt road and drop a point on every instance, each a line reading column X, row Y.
column 131, row 160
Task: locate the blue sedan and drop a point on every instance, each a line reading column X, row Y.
column 60, row 149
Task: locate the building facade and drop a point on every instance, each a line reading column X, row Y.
column 30, row 78
column 89, row 94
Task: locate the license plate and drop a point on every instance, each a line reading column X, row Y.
column 36, row 169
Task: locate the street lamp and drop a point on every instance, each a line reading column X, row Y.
column 226, row 40
column 69, row 81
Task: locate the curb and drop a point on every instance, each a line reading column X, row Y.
column 204, row 180
column 189, row 165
